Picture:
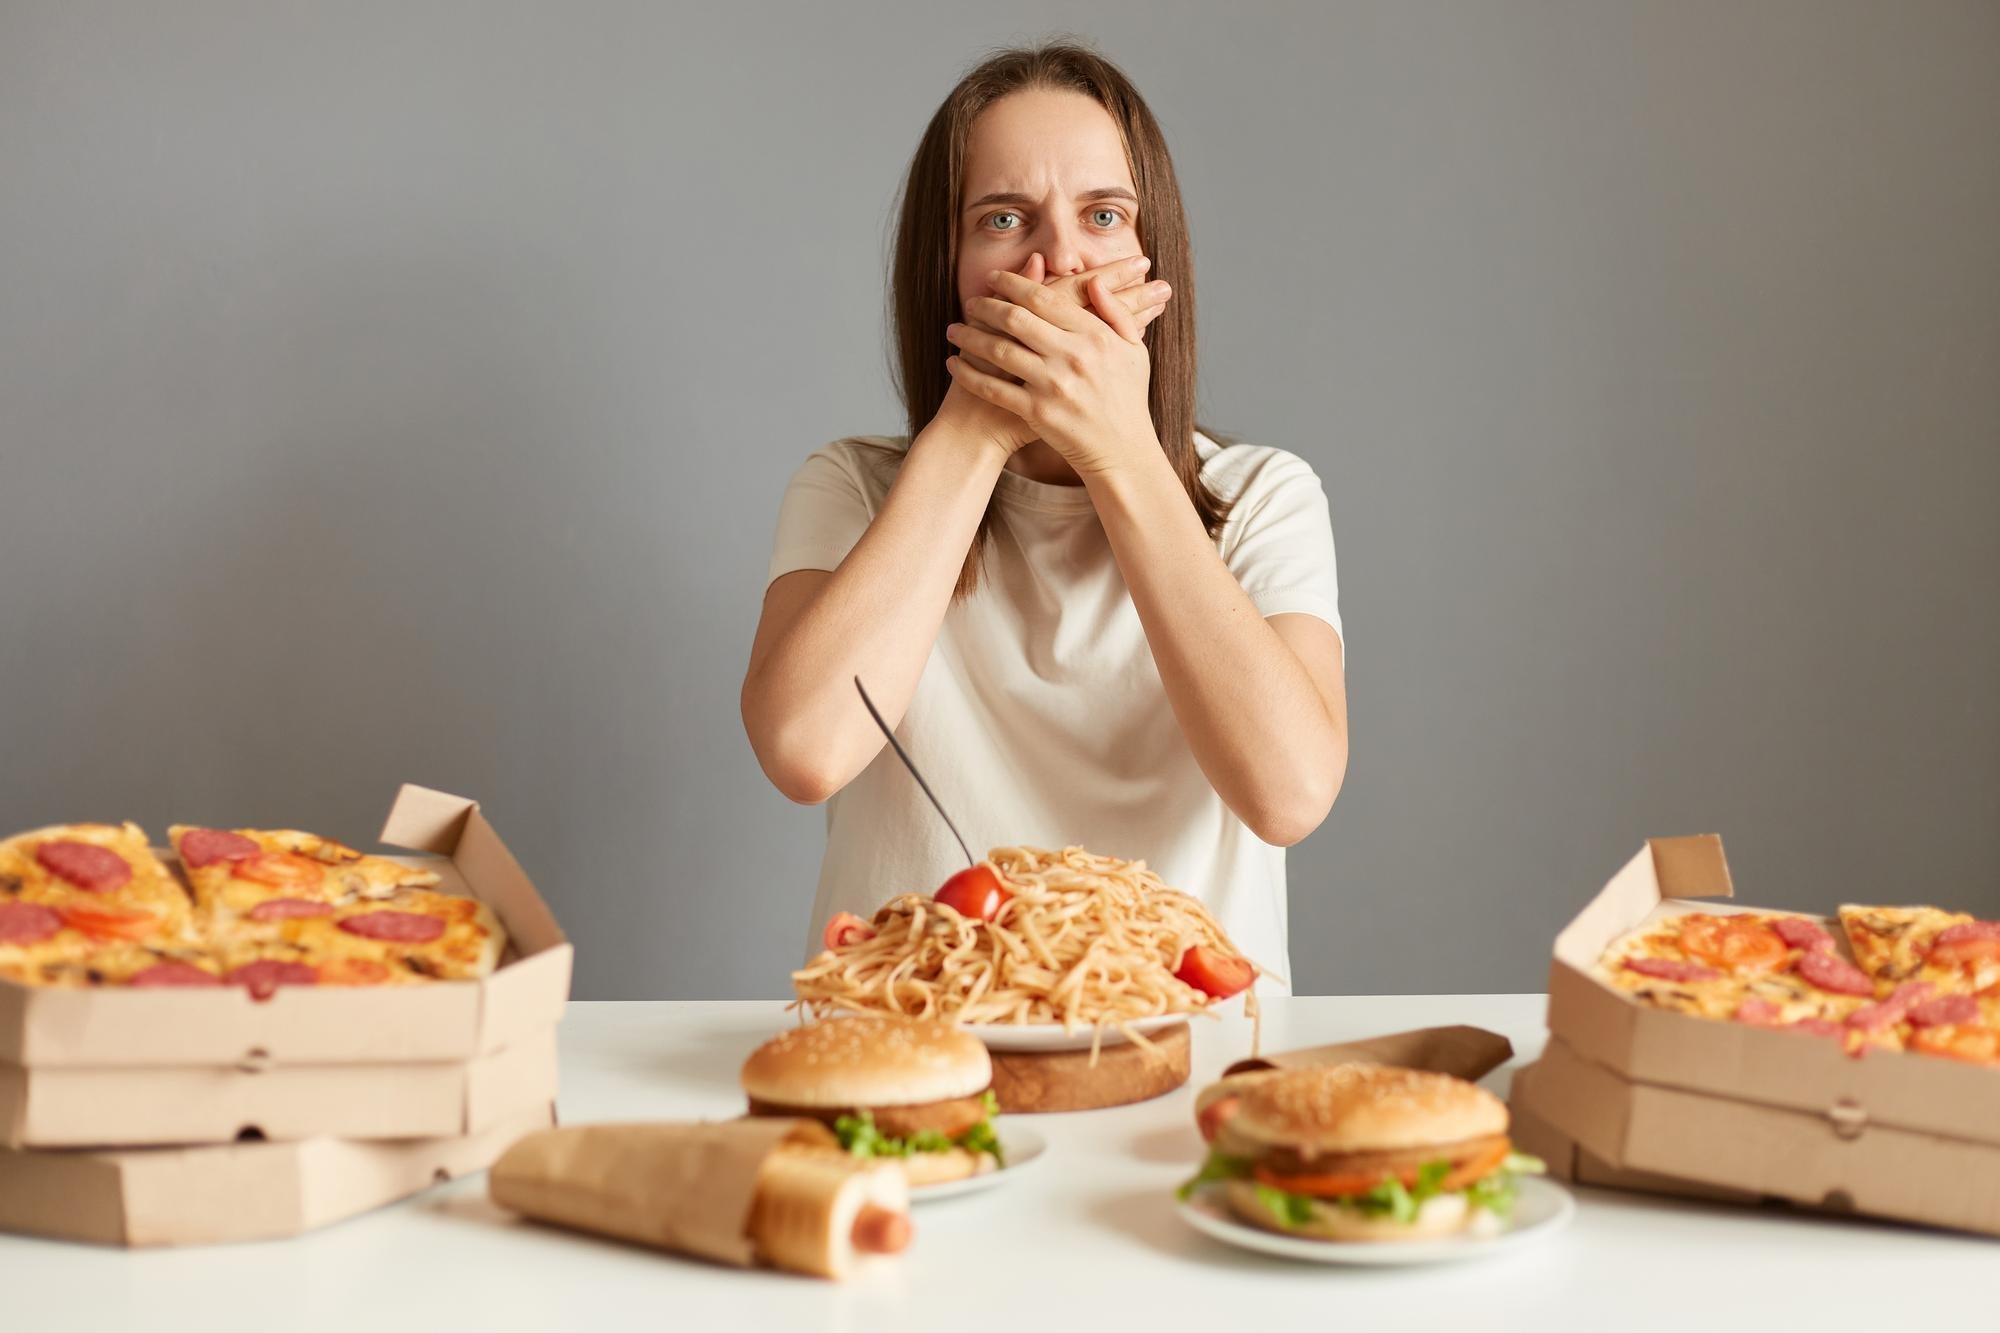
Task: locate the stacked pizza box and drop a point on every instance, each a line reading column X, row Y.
column 142, row 1116
column 1636, row 1097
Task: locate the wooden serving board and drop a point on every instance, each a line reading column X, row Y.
column 1029, row 1081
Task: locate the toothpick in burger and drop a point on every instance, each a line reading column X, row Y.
column 917, row 1090
column 1359, row 1152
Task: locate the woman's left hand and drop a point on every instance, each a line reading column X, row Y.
column 1084, row 372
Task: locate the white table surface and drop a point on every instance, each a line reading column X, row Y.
column 1087, row 1239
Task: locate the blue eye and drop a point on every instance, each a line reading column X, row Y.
column 997, row 216
column 1111, row 213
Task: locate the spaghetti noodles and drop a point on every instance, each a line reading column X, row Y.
column 1085, row 941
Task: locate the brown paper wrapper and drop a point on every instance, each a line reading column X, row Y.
column 1465, row 1052
column 688, row 1187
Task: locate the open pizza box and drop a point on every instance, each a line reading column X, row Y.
column 236, row 1191
column 1757, row 1111
column 118, row 1066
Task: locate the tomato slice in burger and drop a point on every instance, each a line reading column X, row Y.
column 975, row 892
column 1215, row 973
column 844, row 929
column 1473, row 1168
column 1340, row 1184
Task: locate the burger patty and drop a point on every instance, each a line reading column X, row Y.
column 1387, row 1161
column 951, row 1117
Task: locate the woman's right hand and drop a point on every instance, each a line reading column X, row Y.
column 972, row 417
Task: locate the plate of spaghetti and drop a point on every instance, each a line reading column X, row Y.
column 1034, row 949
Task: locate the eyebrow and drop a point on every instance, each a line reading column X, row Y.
column 1022, row 200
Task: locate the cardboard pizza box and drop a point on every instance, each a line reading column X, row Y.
column 135, row 1105
column 1756, row 1110
column 1630, row 1135
column 437, row 1021
column 1571, row 1162
column 232, row 1192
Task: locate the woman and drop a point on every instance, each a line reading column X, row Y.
column 1089, row 620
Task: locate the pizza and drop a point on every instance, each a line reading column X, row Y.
column 92, row 905
column 259, row 874
column 102, row 880
column 1950, row 950
column 1919, row 978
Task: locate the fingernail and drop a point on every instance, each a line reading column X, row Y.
column 1141, row 263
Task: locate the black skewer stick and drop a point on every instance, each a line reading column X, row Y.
column 904, row 756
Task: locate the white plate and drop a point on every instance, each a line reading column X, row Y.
column 1051, row 1037
column 1541, row 1209
column 1023, row 1148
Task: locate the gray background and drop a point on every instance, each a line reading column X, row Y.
column 406, row 390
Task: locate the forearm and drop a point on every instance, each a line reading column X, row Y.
column 876, row 616
column 1252, row 716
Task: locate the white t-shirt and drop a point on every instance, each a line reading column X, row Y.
column 1040, row 718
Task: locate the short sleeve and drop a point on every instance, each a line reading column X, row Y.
column 1278, row 542
column 823, row 514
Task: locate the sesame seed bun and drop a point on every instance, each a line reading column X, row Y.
column 1359, row 1108
column 1235, row 1085
column 866, row 1062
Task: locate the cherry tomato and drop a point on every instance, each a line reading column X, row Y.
column 975, row 892
column 1215, row 973
column 846, row 928
column 1737, row 944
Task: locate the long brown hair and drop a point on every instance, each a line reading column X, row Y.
column 923, row 291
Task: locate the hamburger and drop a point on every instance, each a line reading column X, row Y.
column 1360, row 1152
column 916, row 1090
